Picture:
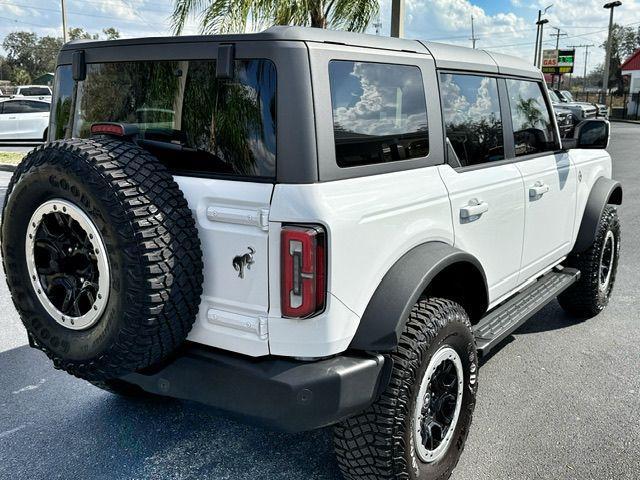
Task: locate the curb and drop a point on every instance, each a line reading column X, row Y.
column 622, row 120
column 7, row 167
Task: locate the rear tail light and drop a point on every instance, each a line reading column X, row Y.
column 303, row 270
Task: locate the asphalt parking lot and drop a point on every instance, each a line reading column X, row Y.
column 560, row 400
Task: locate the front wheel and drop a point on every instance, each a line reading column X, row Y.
column 418, row 427
column 598, row 267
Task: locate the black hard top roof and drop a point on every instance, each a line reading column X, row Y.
column 446, row 56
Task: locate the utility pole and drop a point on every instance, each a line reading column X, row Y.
column 558, row 34
column 586, row 56
column 541, row 24
column 473, row 34
column 64, row 22
column 607, row 61
column 397, row 18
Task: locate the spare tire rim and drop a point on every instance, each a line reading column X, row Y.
column 438, row 405
column 606, row 261
column 67, row 263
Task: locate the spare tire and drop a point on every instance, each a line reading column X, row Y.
column 101, row 255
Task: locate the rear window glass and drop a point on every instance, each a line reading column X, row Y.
column 379, row 112
column 188, row 118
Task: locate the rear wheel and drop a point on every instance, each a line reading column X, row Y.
column 418, row 427
column 598, row 267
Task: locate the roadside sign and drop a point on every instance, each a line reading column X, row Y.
column 557, row 62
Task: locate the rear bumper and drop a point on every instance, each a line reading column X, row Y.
column 279, row 393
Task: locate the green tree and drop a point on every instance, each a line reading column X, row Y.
column 20, row 76
column 30, row 54
column 624, row 42
column 80, row 34
column 111, row 33
column 220, row 16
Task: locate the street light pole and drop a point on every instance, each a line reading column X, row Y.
column 607, row 61
column 64, row 22
column 535, row 53
column 397, row 18
column 538, row 50
column 541, row 23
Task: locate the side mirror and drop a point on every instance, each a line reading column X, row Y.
column 592, row 133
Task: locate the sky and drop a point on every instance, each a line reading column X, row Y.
column 506, row 26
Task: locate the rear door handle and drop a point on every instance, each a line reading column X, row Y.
column 539, row 189
column 475, row 208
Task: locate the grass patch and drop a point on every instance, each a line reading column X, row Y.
column 12, row 158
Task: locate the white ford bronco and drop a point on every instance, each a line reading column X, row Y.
column 306, row 228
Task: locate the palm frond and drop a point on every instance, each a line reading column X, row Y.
column 182, row 10
column 353, row 15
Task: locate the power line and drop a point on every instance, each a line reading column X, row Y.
column 551, row 41
column 130, row 5
column 55, row 10
column 26, row 23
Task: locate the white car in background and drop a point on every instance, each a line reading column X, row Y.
column 42, row 92
column 24, row 118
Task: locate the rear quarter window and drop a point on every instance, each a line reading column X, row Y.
column 379, row 112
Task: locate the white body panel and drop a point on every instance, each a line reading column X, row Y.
column 550, row 183
column 8, row 126
column 231, row 217
column 494, row 237
column 590, row 165
column 31, row 125
column 371, row 222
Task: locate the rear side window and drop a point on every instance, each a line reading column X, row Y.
column 379, row 112
column 11, row 107
column 25, row 106
column 187, row 117
column 34, row 107
column 473, row 123
column 533, row 131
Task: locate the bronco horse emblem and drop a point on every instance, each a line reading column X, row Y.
column 241, row 262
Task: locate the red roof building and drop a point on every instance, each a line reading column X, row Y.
column 632, row 63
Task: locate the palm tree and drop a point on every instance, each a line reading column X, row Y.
column 223, row 16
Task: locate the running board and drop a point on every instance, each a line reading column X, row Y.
column 506, row 318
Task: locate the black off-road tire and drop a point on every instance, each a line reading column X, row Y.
column 585, row 299
column 152, row 246
column 378, row 444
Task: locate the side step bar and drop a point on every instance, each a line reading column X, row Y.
column 506, row 318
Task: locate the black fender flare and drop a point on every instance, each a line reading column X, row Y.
column 604, row 191
column 388, row 310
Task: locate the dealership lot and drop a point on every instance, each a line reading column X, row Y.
column 559, row 400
